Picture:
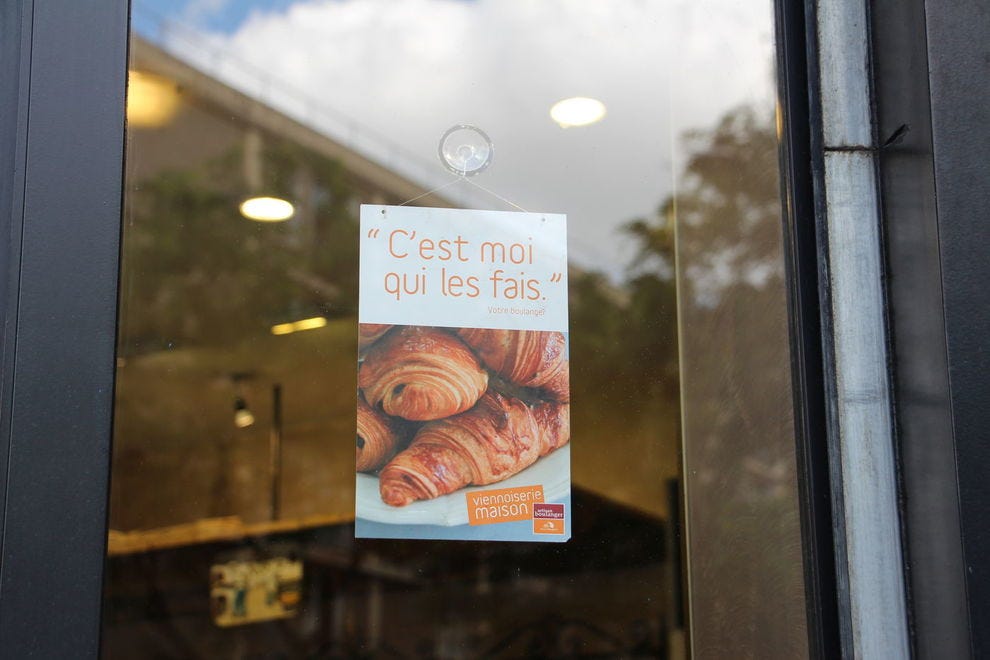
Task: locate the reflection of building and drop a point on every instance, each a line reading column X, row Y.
column 210, row 118
column 205, row 289
column 209, row 287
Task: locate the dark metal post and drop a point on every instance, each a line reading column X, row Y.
column 62, row 138
column 275, row 451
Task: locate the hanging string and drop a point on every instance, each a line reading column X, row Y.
column 430, row 192
column 459, row 179
column 492, row 192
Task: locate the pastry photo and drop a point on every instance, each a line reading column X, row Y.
column 445, row 409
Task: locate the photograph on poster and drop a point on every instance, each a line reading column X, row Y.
column 441, row 409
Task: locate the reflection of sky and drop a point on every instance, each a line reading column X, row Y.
column 222, row 16
column 409, row 70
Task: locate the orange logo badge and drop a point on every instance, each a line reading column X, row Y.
column 548, row 518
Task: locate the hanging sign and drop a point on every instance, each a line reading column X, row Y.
column 463, row 418
column 249, row 592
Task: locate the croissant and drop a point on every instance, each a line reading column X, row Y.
column 369, row 333
column 493, row 441
column 554, row 423
column 422, row 374
column 377, row 438
column 529, row 358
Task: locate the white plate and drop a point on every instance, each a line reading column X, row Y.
column 553, row 471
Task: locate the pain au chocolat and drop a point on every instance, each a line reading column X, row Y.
column 377, row 438
column 421, row 374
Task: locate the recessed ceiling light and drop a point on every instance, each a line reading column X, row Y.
column 310, row 324
column 152, row 100
column 267, row 209
column 296, row 326
column 577, row 111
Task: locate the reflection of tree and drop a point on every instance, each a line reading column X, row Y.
column 738, row 434
column 623, row 336
column 729, row 246
column 196, row 272
column 728, row 208
column 735, row 382
column 628, row 333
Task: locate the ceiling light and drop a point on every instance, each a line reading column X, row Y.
column 267, row 209
column 577, row 111
column 152, row 101
column 243, row 417
column 296, row 326
column 310, row 324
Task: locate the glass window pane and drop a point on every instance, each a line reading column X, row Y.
column 744, row 536
column 232, row 494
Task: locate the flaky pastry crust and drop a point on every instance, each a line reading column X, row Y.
column 528, row 358
column 421, row 374
column 496, row 439
column 377, row 438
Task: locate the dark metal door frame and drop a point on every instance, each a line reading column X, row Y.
column 944, row 100
column 798, row 110
column 63, row 71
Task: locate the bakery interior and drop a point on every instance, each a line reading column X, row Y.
column 235, row 405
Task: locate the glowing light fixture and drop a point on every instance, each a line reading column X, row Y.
column 267, row 209
column 310, row 324
column 577, row 111
column 296, row 326
column 243, row 417
column 152, row 101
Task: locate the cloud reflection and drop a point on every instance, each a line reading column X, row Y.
column 410, row 70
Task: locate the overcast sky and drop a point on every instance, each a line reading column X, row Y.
column 409, row 69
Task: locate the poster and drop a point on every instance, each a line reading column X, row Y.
column 463, row 419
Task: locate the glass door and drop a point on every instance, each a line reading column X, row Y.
column 652, row 126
